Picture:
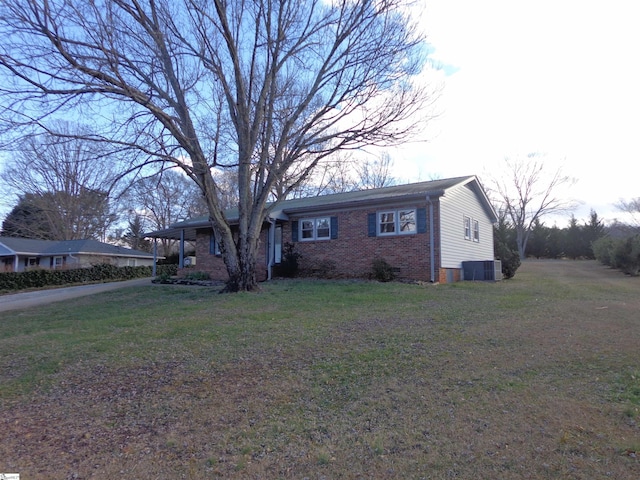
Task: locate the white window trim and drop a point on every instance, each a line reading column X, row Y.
column 475, row 232
column 314, row 236
column 396, row 221
column 466, row 224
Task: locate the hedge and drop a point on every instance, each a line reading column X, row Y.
column 98, row 273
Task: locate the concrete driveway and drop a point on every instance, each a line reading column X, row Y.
column 19, row 301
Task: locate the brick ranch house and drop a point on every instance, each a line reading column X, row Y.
column 425, row 231
column 21, row 254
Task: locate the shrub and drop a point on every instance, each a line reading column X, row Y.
column 197, row 276
column 504, row 251
column 290, row 261
column 510, row 263
column 382, row 271
column 627, row 255
column 603, row 249
column 167, row 270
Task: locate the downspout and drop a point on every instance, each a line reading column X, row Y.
column 270, row 246
column 432, row 254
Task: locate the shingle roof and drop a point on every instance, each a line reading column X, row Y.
column 434, row 188
column 28, row 246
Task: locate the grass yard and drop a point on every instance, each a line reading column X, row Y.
column 533, row 378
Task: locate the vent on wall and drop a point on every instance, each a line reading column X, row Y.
column 482, row 270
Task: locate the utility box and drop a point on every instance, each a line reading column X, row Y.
column 482, row 270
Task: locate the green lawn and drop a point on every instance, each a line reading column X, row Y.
column 537, row 377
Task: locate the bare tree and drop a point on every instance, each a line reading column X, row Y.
column 525, row 192
column 376, row 173
column 66, row 180
column 631, row 207
column 255, row 86
column 162, row 200
column 342, row 172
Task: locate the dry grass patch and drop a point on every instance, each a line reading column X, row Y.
column 532, row 378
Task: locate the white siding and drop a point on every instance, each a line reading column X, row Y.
column 454, row 249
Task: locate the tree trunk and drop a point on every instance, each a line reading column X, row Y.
column 241, row 268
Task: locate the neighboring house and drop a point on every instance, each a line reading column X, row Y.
column 425, row 231
column 20, row 254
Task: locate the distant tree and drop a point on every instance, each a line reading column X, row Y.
column 67, row 180
column 375, row 173
column 526, row 192
column 631, row 207
column 555, row 242
column 27, row 220
column 572, row 240
column 134, row 236
column 593, row 230
column 537, row 245
column 161, row 200
column 342, row 172
column 60, row 216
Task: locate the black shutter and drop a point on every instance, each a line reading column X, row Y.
column 212, row 244
column 334, row 228
column 294, row 231
column 421, row 214
column 373, row 227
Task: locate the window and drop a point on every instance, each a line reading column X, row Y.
column 467, row 228
column 387, row 222
column 476, row 231
column 407, row 220
column 214, row 247
column 397, row 222
column 57, row 262
column 315, row 228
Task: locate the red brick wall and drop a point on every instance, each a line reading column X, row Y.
column 214, row 265
column 352, row 253
column 348, row 256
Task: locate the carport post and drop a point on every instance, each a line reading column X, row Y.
column 155, row 256
column 181, row 258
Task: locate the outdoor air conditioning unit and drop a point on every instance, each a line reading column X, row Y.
column 190, row 261
column 482, row 270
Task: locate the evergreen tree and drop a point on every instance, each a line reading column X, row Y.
column 592, row 231
column 572, row 239
column 504, row 246
column 27, row 220
column 134, row 237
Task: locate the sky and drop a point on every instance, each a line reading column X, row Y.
column 560, row 78
column 556, row 77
